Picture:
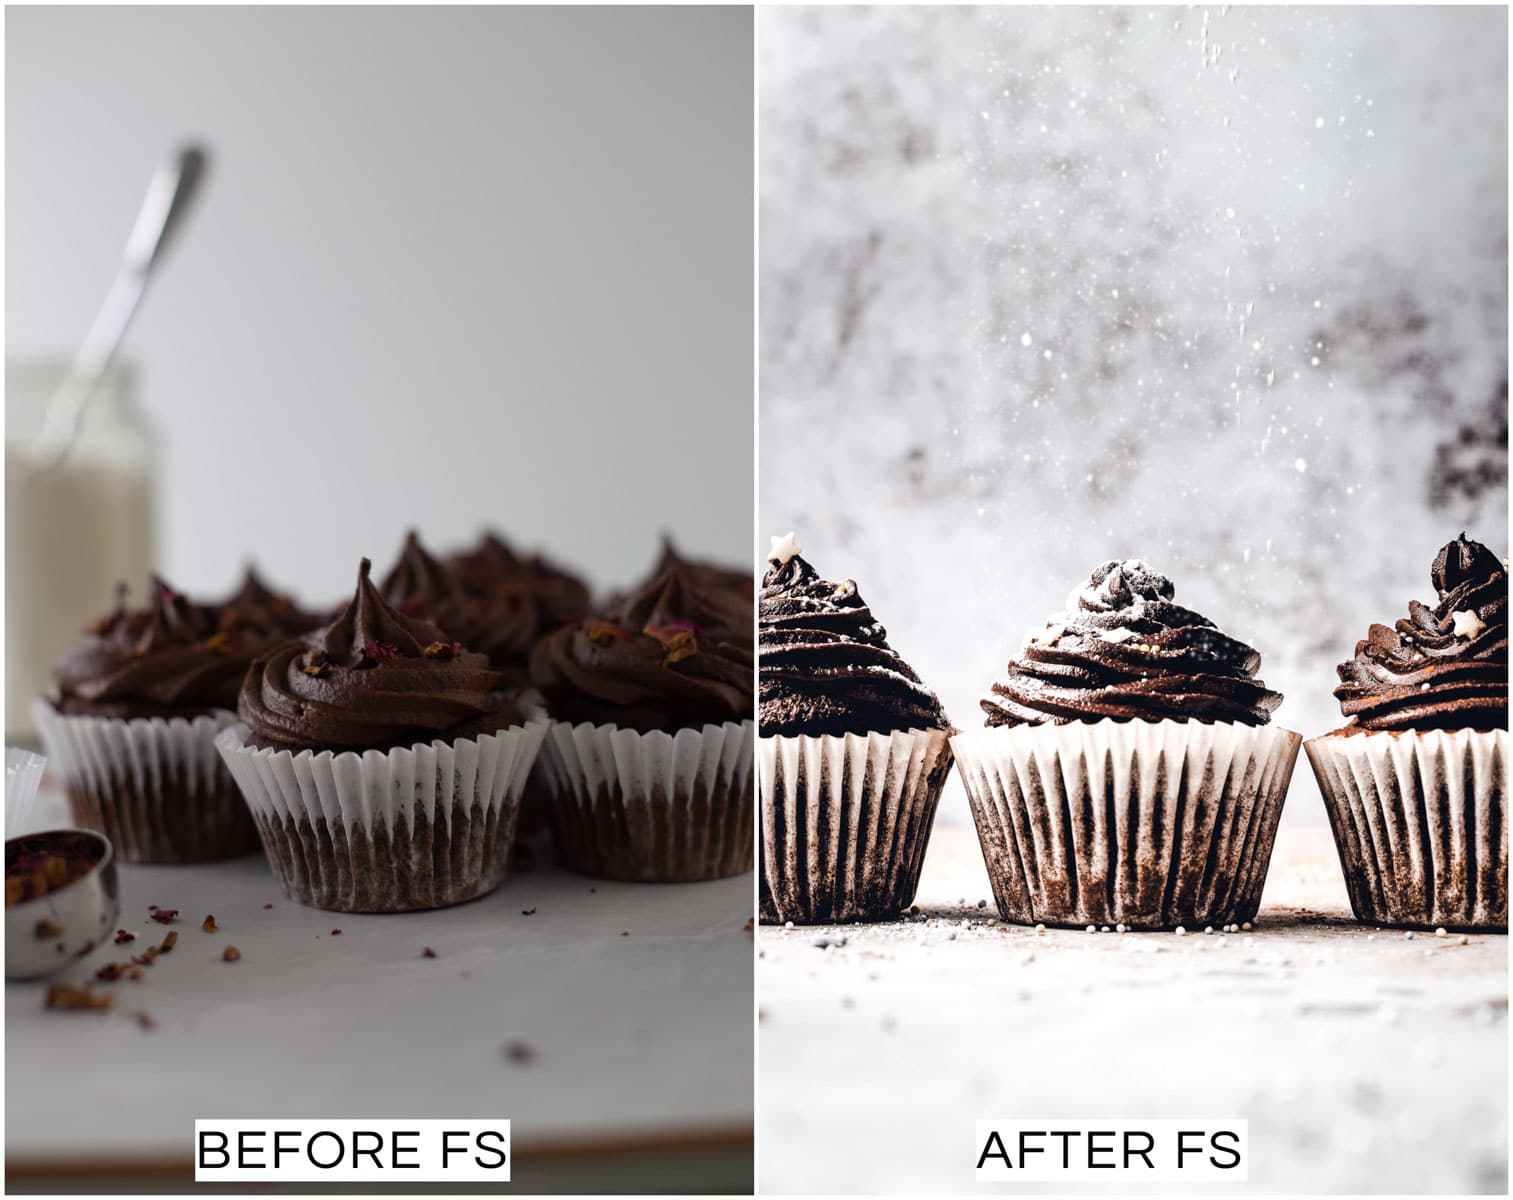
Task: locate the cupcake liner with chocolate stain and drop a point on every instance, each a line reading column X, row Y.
column 1146, row 824
column 1419, row 819
column 845, row 822
column 156, row 787
column 651, row 807
column 412, row 828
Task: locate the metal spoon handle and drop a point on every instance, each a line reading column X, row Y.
column 170, row 193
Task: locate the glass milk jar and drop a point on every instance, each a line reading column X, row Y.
column 72, row 531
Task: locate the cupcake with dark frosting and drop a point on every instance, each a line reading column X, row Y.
column 649, row 755
column 737, row 582
column 553, row 595
column 381, row 761
column 1127, row 771
column 131, row 722
column 1414, row 781
column 262, row 612
column 853, row 745
column 502, row 622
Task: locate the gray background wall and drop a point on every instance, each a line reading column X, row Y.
column 453, row 266
column 1224, row 289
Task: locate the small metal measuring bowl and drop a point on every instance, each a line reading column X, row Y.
column 47, row 933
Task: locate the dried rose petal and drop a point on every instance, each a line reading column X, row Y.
column 46, row 929
column 208, row 924
column 111, row 972
column 428, row 953
column 170, row 941
column 603, row 633
column 145, row 1021
column 442, row 650
column 220, row 643
column 165, row 916
column 528, row 912
column 380, row 651
column 677, row 638
column 71, row 996
column 123, row 936
column 230, row 954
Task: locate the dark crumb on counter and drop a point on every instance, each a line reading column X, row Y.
column 147, row 957
column 169, row 942
column 528, row 912
column 208, row 924
column 591, row 891
column 230, row 954
column 76, row 997
column 165, row 916
column 750, row 926
column 145, row 1021
column 625, row 933
column 152, row 908
column 428, row 953
column 336, row 933
column 267, row 906
column 47, row 929
column 123, row 936
column 520, row 1053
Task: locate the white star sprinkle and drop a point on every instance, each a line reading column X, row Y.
column 1467, row 624
column 784, row 549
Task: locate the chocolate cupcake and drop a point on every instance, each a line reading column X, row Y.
column 557, row 597
column 1128, row 772
column 382, row 764
column 854, row 752
column 648, row 761
column 131, row 727
column 736, row 582
column 262, row 612
column 1414, row 782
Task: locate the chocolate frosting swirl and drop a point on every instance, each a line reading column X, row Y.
column 372, row 680
column 493, row 568
column 258, row 609
column 675, row 656
column 498, row 619
column 1123, row 651
column 167, row 660
column 706, row 572
column 826, row 664
column 1444, row 667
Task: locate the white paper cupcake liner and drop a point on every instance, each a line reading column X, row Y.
column 156, row 788
column 23, row 776
column 1419, row 819
column 418, row 827
column 845, row 822
column 651, row 807
column 1145, row 824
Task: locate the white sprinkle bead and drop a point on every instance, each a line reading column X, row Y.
column 1441, row 932
column 1208, row 929
column 1246, row 927
column 1409, row 935
column 1121, row 929
column 1092, row 929
column 1179, row 931
column 1039, row 928
column 787, row 924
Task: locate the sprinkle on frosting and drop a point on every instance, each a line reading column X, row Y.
column 784, row 549
column 1444, row 667
column 1122, row 651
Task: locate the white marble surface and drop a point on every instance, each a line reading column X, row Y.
column 1215, row 287
column 634, row 1001
column 1364, row 1061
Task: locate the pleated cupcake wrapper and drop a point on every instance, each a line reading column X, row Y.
column 1145, row 824
column 651, row 807
column 413, row 828
column 155, row 787
column 1419, row 820
column 845, row 822
column 23, row 776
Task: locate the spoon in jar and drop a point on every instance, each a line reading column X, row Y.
column 169, row 196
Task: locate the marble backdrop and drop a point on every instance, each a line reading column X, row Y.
column 1223, row 289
